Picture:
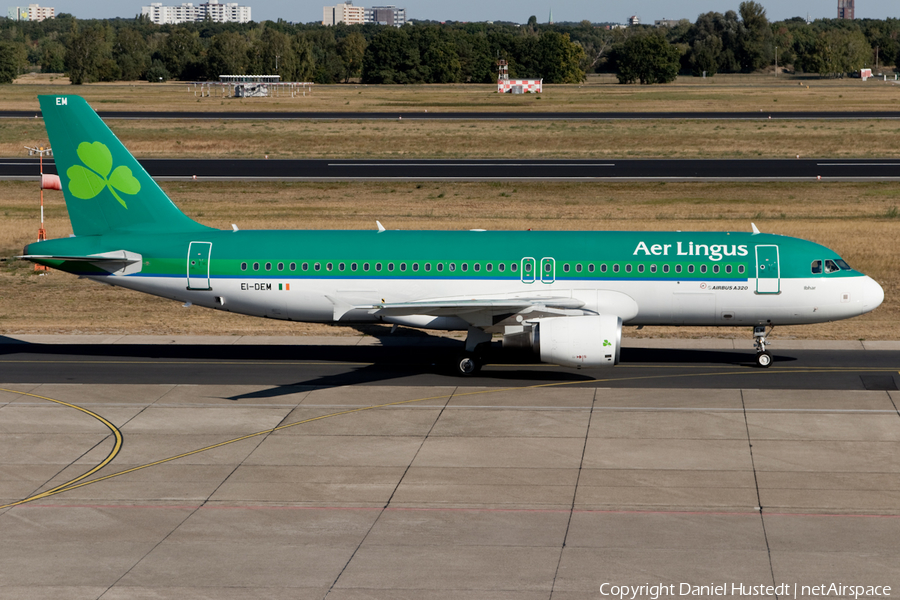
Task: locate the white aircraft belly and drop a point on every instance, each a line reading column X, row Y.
column 800, row 301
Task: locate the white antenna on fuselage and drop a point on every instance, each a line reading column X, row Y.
column 755, row 228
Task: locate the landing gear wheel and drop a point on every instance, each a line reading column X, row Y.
column 467, row 365
column 763, row 359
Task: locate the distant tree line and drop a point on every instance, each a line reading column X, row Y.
column 429, row 52
column 124, row 49
column 745, row 41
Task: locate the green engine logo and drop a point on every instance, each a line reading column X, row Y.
column 87, row 182
column 606, row 343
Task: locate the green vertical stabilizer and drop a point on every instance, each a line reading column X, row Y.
column 106, row 189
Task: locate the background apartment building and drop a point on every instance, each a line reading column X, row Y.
column 386, row 15
column 32, row 12
column 357, row 15
column 343, row 13
column 215, row 11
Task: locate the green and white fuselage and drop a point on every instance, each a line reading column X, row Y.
column 568, row 287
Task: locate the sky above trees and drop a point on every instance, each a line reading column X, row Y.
column 306, row 11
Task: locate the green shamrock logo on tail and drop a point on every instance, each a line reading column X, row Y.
column 87, row 182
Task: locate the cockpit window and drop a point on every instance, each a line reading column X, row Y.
column 816, row 267
column 831, row 267
column 843, row 264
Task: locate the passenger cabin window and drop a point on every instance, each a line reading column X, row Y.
column 615, row 268
column 427, row 266
column 341, row 266
column 566, row 267
column 452, row 266
column 353, row 266
column 514, row 267
column 281, row 266
column 476, row 266
column 578, row 268
column 640, row 268
column 715, row 268
column 816, row 267
column 591, row 267
column 329, row 267
column 628, row 268
column 377, row 266
column 603, row 268
column 528, row 267
column 489, row 267
column 293, row 266
column 831, row 267
column 402, row 266
column 665, row 268
column 690, row 268
column 728, row 268
column 243, row 266
column 365, row 266
column 440, row 266
column 678, row 268
column 415, row 266
column 268, row 266
column 256, row 266
column 317, row 266
column 703, row 268
column 465, row 266
column 501, row 267
column 390, row 266
column 653, row 268
column 305, row 266
column 741, row 269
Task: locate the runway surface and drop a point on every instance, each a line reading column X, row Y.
column 195, row 477
column 498, row 170
column 477, row 116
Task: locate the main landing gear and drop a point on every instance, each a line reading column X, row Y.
column 467, row 365
column 763, row 357
column 470, row 363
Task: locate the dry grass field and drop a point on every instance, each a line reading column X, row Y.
column 859, row 221
column 757, row 92
column 485, row 139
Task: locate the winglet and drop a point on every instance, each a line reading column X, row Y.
column 755, row 228
column 380, row 226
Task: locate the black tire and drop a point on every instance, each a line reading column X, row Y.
column 763, row 360
column 466, row 365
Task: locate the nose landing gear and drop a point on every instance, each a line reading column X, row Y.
column 763, row 357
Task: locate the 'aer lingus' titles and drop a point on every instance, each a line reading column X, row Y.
column 715, row 252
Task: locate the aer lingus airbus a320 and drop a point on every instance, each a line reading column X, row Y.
column 564, row 294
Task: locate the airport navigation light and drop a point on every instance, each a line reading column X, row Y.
column 49, row 182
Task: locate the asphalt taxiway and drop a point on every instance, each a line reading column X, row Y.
column 504, row 487
column 799, row 169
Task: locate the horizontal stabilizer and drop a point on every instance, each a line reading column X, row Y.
column 119, row 262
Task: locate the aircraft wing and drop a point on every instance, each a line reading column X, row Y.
column 458, row 307
column 481, row 312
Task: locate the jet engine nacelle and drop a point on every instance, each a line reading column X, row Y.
column 586, row 341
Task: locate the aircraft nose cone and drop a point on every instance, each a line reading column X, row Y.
column 873, row 295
